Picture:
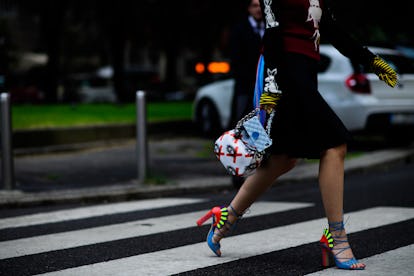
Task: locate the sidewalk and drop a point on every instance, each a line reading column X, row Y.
column 97, row 172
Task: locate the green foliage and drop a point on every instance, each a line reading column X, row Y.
column 207, row 151
column 67, row 115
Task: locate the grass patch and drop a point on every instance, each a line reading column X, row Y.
column 68, row 115
column 355, row 154
column 155, row 179
column 207, row 151
column 52, row 177
column 349, row 155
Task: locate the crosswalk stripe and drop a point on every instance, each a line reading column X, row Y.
column 97, row 210
column 39, row 244
column 398, row 261
column 190, row 257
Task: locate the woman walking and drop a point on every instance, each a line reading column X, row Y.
column 304, row 125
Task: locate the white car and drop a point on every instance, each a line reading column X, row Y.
column 362, row 101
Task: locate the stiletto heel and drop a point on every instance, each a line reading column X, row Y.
column 220, row 221
column 216, row 211
column 325, row 257
column 327, row 243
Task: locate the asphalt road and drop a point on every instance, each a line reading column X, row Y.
column 277, row 236
column 171, row 157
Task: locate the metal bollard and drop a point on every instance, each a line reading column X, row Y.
column 6, row 143
column 141, row 131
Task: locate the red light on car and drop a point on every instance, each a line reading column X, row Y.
column 358, row 83
column 200, row 68
column 218, row 67
column 214, row 67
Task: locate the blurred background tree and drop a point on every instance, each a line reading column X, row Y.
column 69, row 38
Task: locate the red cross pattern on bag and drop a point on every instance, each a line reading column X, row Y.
column 236, row 138
column 218, row 151
column 232, row 134
column 233, row 152
column 224, row 134
column 249, row 155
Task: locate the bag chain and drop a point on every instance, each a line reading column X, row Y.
column 251, row 115
column 258, row 155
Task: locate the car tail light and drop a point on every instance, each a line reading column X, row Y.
column 358, row 83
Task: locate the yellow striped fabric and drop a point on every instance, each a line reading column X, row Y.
column 269, row 100
column 384, row 71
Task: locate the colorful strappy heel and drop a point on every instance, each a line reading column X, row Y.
column 327, row 243
column 220, row 222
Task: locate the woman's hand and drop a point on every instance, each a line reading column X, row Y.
column 384, row 71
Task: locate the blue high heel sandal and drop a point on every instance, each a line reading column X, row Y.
column 220, row 222
column 327, row 243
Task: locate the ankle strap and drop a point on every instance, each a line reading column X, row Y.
column 336, row 226
column 235, row 212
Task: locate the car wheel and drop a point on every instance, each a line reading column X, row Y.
column 208, row 119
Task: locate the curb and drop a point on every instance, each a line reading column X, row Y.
column 134, row 190
column 111, row 193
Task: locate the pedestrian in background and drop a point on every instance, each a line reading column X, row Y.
column 245, row 47
column 304, row 125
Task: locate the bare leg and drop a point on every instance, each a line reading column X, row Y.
column 256, row 184
column 331, row 184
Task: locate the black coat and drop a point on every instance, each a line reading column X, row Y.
column 245, row 50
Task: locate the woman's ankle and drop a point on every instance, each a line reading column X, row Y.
column 337, row 227
column 338, row 233
column 232, row 218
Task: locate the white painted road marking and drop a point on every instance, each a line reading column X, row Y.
column 395, row 262
column 64, row 240
column 92, row 211
column 190, row 257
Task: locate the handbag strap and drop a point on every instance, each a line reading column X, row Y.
column 250, row 115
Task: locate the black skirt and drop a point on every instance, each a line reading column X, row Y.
column 304, row 124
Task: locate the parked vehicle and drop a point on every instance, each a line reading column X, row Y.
column 98, row 86
column 362, row 101
column 26, row 87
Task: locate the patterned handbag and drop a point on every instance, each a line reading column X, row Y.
column 241, row 149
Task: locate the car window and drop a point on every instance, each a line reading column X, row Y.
column 324, row 63
column 401, row 64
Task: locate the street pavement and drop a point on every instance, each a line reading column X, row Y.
column 93, row 172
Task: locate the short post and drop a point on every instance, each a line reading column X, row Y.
column 141, row 130
column 6, row 143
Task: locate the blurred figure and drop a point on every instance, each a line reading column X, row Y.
column 245, row 39
column 245, row 45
